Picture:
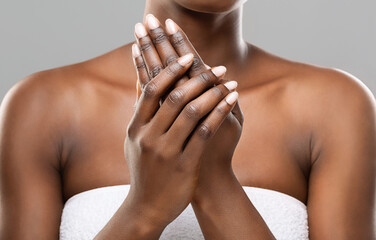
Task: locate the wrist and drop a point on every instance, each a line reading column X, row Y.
column 145, row 221
column 217, row 198
column 212, row 187
column 131, row 222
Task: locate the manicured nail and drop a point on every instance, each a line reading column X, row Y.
column 232, row 97
column 171, row 27
column 135, row 51
column 231, row 86
column 140, row 30
column 186, row 59
column 152, row 21
column 219, row 71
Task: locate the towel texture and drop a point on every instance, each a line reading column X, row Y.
column 86, row 213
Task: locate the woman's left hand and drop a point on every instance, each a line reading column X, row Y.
column 158, row 49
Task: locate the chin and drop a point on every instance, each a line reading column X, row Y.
column 210, row 6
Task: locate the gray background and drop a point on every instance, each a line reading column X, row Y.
column 41, row 34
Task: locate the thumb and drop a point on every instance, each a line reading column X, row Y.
column 138, row 88
column 237, row 112
column 139, row 91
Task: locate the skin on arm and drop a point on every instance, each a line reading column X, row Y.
column 341, row 202
column 337, row 185
column 144, row 213
column 219, row 190
column 30, row 187
column 163, row 148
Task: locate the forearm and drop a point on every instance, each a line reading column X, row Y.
column 131, row 223
column 225, row 212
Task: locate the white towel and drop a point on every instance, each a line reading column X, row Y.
column 86, row 213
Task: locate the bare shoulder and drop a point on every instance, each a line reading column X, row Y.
column 33, row 97
column 318, row 91
column 59, row 89
column 37, row 116
column 54, row 100
column 331, row 94
column 328, row 104
column 34, row 116
column 339, row 111
column 332, row 86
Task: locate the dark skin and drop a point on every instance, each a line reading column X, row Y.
column 308, row 132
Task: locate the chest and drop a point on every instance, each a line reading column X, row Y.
column 272, row 153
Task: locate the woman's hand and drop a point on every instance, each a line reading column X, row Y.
column 158, row 49
column 218, row 189
column 165, row 142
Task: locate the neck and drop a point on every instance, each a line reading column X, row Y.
column 217, row 37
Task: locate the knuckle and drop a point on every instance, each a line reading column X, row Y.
column 205, row 78
column 192, row 111
column 150, row 89
column 168, row 153
column 176, row 97
column 171, row 59
column 160, row 154
column 140, row 65
column 154, row 71
column 145, row 46
column 173, row 69
column 218, row 92
column 164, row 151
column 204, row 131
column 196, row 64
column 221, row 111
column 145, row 144
column 178, row 40
column 159, row 36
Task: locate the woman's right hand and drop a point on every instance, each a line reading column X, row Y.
column 165, row 142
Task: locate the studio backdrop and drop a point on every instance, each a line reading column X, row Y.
column 42, row 34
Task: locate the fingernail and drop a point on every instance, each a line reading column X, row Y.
column 231, row 86
column 219, row 71
column 140, row 30
column 171, row 27
column 135, row 51
column 186, row 59
column 232, row 97
column 152, row 21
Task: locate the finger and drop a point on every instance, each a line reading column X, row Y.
column 209, row 126
column 148, row 51
column 180, row 96
column 162, row 43
column 182, row 45
column 142, row 73
column 137, row 95
column 194, row 111
column 138, row 89
column 238, row 113
column 157, row 87
column 160, row 40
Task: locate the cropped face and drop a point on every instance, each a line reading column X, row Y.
column 210, row 6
